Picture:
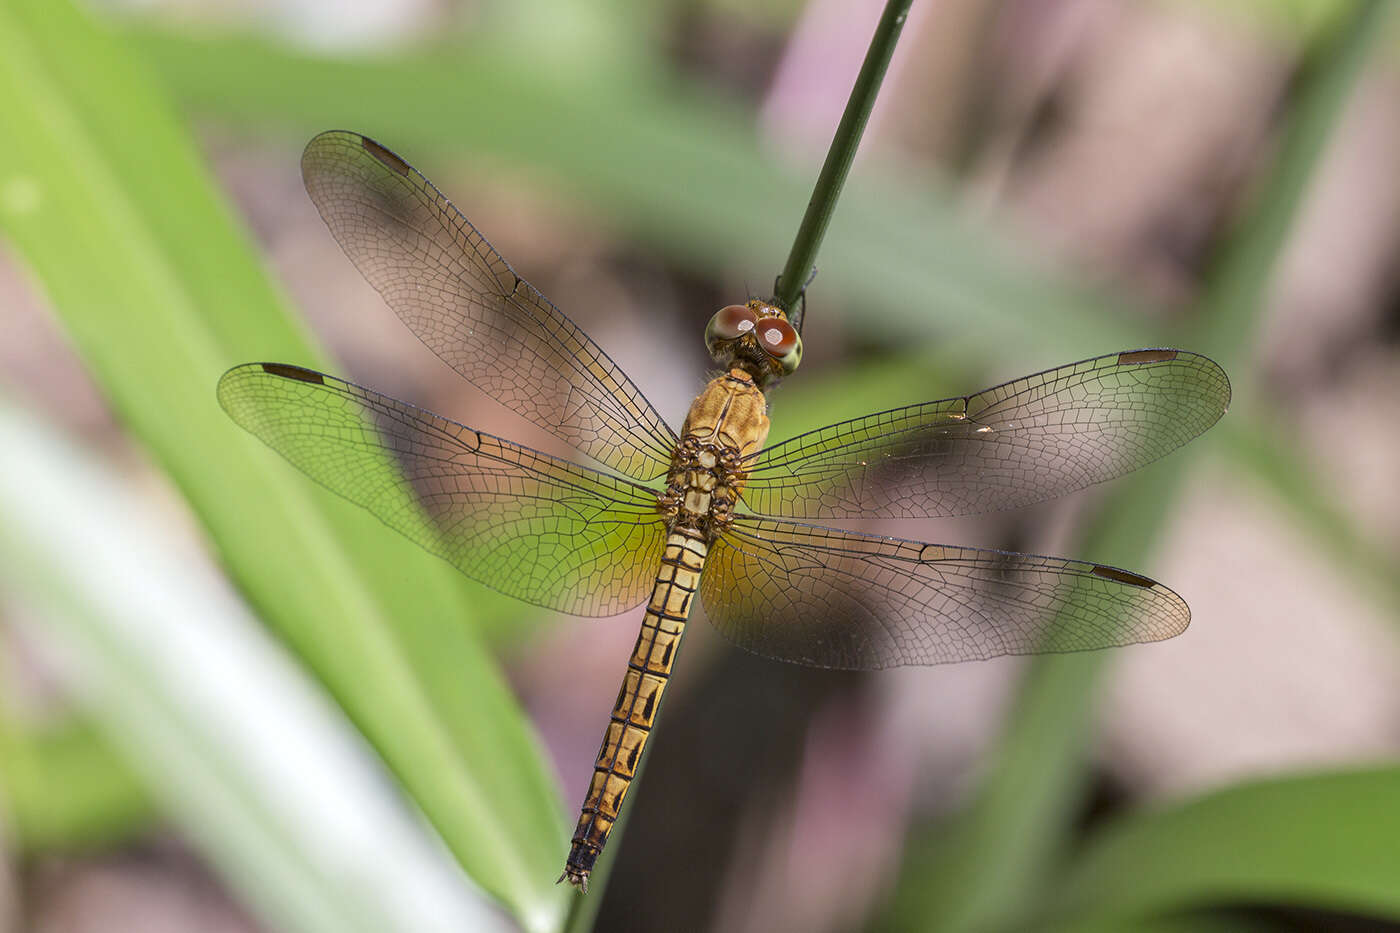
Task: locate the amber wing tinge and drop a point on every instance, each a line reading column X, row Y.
column 544, row 530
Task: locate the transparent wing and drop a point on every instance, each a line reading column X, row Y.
column 837, row 599
column 532, row 526
column 466, row 303
column 1010, row 446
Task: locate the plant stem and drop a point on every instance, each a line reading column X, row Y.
column 838, row 158
column 582, row 911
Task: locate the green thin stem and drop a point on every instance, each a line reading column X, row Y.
column 839, row 157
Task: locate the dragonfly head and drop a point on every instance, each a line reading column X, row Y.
column 756, row 336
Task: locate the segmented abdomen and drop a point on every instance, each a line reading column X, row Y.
column 639, row 699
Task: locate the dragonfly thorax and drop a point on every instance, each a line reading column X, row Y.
column 703, row 486
column 727, row 423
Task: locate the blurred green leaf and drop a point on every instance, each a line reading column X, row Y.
column 1240, row 272
column 1305, row 494
column 102, row 194
column 1191, row 921
column 1298, row 20
column 1325, row 840
column 233, row 742
column 989, row 869
column 63, row 788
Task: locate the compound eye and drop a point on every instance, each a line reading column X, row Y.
column 781, row 342
column 777, row 337
column 734, row 321
column 729, row 323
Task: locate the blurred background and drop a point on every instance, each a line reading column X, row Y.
column 229, row 701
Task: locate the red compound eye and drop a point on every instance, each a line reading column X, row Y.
column 776, row 336
column 733, row 321
column 729, row 324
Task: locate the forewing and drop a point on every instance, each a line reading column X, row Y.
column 837, row 599
column 532, row 526
column 465, row 302
column 1018, row 443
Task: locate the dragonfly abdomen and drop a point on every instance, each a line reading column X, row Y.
column 639, row 699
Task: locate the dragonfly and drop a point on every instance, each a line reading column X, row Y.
column 664, row 517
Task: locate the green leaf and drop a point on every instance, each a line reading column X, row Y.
column 1307, row 496
column 1191, row 921
column 104, row 197
column 64, row 788
column 1325, row 841
column 269, row 782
